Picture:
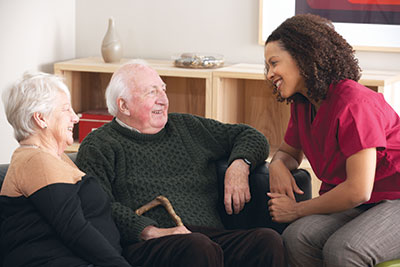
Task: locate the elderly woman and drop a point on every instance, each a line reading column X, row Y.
column 53, row 214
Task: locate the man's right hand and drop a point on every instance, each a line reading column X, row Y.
column 154, row 232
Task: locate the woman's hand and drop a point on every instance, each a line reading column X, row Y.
column 154, row 232
column 282, row 208
column 281, row 180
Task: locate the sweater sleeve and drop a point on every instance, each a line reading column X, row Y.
column 239, row 140
column 100, row 161
column 60, row 205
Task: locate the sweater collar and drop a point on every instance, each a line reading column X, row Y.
column 135, row 134
column 123, row 124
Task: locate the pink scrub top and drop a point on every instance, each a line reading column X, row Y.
column 351, row 118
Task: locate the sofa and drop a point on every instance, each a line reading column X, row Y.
column 255, row 213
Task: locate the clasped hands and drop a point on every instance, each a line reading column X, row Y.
column 282, row 205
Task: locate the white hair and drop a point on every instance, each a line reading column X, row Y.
column 119, row 85
column 34, row 92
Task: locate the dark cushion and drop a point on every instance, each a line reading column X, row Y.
column 256, row 213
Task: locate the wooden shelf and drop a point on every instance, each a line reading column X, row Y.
column 241, row 95
column 188, row 90
column 231, row 94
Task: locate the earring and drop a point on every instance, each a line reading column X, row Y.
column 44, row 126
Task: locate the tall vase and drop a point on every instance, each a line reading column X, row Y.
column 111, row 48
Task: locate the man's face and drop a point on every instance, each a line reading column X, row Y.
column 148, row 101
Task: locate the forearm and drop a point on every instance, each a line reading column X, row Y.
column 288, row 157
column 355, row 190
column 283, row 160
column 129, row 224
column 341, row 198
column 237, row 140
column 252, row 145
column 60, row 205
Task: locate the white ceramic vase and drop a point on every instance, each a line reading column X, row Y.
column 111, row 48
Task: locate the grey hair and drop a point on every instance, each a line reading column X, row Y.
column 34, row 92
column 119, row 86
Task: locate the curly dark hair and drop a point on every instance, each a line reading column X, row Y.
column 323, row 56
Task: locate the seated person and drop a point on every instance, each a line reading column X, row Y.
column 144, row 152
column 53, row 214
column 351, row 137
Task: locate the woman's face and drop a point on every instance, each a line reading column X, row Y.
column 60, row 122
column 282, row 71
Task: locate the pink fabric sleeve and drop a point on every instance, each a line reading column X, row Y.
column 361, row 126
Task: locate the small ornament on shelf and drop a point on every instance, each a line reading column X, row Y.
column 111, row 48
column 198, row 60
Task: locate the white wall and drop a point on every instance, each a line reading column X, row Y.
column 34, row 35
column 160, row 28
column 37, row 33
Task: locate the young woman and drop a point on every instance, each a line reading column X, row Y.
column 351, row 137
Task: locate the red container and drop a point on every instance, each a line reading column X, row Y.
column 91, row 120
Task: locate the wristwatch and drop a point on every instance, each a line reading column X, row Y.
column 248, row 162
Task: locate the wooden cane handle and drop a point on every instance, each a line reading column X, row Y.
column 161, row 200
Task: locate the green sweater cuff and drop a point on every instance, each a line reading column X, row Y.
column 139, row 227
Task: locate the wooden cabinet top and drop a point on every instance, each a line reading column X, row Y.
column 96, row 64
column 238, row 71
column 256, row 71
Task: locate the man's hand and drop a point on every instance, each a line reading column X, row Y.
column 154, row 232
column 282, row 208
column 237, row 190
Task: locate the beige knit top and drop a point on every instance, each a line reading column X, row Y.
column 33, row 168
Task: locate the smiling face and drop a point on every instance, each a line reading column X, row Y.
column 146, row 108
column 60, row 122
column 283, row 71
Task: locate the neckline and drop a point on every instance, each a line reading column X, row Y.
column 29, row 145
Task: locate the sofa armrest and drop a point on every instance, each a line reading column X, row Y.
column 256, row 213
column 3, row 171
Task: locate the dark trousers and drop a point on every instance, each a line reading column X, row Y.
column 210, row 247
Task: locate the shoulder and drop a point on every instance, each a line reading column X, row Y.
column 176, row 117
column 178, row 120
column 102, row 137
column 32, row 169
column 349, row 95
column 190, row 118
column 349, row 91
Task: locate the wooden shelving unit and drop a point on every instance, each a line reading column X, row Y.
column 241, row 94
column 232, row 94
column 188, row 90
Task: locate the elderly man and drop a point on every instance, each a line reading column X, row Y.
column 144, row 153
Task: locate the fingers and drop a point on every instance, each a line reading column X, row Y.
column 181, row 230
column 234, row 203
column 228, row 203
column 297, row 189
column 238, row 202
column 290, row 194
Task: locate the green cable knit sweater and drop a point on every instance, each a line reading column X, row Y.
column 177, row 162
